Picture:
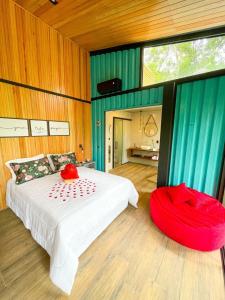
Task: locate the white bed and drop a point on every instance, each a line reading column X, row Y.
column 66, row 228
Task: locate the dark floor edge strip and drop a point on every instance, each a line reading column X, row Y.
column 222, row 252
column 26, row 86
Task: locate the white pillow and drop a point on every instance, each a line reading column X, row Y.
column 50, row 160
column 21, row 160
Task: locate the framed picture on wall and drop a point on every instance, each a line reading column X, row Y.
column 12, row 127
column 39, row 128
column 59, row 128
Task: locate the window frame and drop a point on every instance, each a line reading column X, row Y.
column 189, row 37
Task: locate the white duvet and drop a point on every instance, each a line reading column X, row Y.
column 66, row 229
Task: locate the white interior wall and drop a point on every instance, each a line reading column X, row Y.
column 109, row 136
column 138, row 137
column 133, row 136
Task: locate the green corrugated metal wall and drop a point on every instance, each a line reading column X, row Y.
column 126, row 66
column 199, row 134
column 99, row 107
column 122, row 64
column 199, row 128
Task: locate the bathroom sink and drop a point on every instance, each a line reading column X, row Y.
column 146, row 147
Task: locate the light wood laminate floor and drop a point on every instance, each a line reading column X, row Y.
column 130, row 260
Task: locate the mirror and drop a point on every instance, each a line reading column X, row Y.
column 150, row 128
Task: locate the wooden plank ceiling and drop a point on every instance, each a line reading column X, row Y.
column 98, row 24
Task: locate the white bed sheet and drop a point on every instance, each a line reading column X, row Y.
column 66, row 229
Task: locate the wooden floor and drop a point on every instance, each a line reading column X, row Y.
column 131, row 260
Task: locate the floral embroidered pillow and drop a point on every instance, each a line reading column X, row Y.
column 61, row 160
column 31, row 169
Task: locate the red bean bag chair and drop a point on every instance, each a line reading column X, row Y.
column 189, row 217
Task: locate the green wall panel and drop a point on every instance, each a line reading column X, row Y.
column 199, row 134
column 199, row 125
column 149, row 97
column 122, row 64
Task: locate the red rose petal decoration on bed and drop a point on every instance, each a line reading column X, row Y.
column 80, row 188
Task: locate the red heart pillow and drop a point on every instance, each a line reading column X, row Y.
column 69, row 172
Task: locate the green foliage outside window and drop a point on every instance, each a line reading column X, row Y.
column 173, row 61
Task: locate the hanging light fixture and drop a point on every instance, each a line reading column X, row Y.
column 54, row 1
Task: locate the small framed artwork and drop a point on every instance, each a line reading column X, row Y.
column 39, row 128
column 59, row 128
column 12, row 127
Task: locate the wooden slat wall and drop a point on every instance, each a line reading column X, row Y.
column 33, row 53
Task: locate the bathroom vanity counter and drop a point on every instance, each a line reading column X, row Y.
column 143, row 153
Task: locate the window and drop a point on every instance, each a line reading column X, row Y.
column 173, row 61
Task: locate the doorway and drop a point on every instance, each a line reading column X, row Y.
column 132, row 138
